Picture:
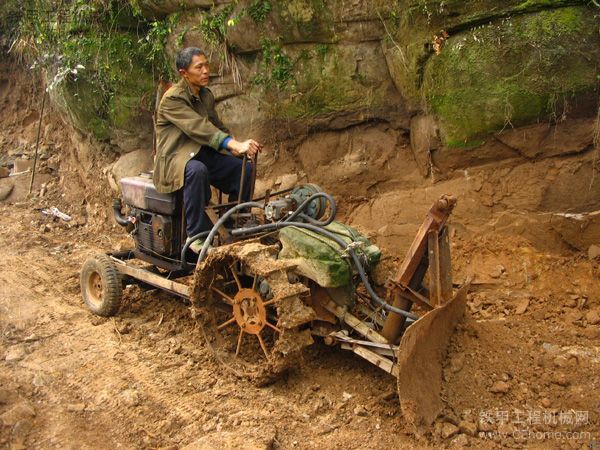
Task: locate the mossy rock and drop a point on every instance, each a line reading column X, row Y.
column 287, row 22
column 84, row 105
column 412, row 25
column 327, row 79
column 159, row 9
column 113, row 93
column 512, row 72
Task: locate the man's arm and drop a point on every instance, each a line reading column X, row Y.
column 176, row 111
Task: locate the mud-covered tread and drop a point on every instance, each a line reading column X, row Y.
column 292, row 311
column 112, row 288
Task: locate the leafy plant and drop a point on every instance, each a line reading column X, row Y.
column 258, row 10
column 99, row 35
column 322, row 49
column 277, row 66
column 153, row 45
column 213, row 27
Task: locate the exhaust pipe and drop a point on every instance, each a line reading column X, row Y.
column 121, row 220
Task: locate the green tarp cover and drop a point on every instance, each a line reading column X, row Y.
column 321, row 259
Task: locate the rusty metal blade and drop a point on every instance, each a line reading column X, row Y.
column 421, row 355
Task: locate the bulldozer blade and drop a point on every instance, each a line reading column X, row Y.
column 421, row 355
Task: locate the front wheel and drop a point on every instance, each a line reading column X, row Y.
column 101, row 286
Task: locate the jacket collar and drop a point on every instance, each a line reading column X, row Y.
column 186, row 88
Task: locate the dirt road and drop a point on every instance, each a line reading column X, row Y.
column 144, row 379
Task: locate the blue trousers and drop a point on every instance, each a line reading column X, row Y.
column 207, row 168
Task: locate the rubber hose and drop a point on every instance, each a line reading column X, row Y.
column 361, row 271
column 305, row 204
column 228, row 214
column 121, row 220
column 316, row 229
column 219, row 223
column 187, row 245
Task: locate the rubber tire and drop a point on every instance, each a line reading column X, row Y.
column 109, row 302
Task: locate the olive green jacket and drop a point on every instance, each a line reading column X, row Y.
column 184, row 123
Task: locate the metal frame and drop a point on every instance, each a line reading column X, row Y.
column 430, row 251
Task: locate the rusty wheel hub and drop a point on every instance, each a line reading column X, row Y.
column 95, row 288
column 249, row 311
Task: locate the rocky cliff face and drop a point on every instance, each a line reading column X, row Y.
column 377, row 101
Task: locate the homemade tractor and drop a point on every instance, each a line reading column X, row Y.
column 277, row 272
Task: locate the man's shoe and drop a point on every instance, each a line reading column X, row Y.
column 196, row 246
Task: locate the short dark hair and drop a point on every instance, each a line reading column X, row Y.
column 184, row 57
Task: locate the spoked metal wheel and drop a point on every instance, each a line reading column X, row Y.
column 254, row 319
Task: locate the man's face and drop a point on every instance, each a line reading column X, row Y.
column 198, row 71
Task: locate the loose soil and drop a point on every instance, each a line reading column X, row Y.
column 521, row 369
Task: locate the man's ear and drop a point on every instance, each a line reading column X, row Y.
column 182, row 72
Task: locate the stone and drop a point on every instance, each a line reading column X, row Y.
column 38, row 380
column 19, row 432
column 486, row 426
column 360, row 411
column 15, row 353
column 594, row 251
column 522, row 306
column 448, row 430
column 124, row 328
column 21, row 411
column 561, row 361
column 76, row 407
column 21, row 165
column 130, row 397
column 505, row 429
column 560, row 379
column 497, row 271
column 234, row 439
column 6, row 189
column 4, row 172
column 132, row 164
column 460, row 441
column 457, row 363
column 467, row 427
column 286, row 181
column 592, row 317
column 500, row 387
column 5, row 396
column 545, row 402
column 550, row 348
column 574, row 316
column 571, row 303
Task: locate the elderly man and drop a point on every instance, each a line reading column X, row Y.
column 194, row 148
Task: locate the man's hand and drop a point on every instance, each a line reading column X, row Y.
column 249, row 147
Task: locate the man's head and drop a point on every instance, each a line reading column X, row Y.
column 192, row 65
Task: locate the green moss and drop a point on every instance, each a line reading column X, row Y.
column 305, row 20
column 119, row 64
column 531, row 4
column 324, row 83
column 417, row 21
column 510, row 72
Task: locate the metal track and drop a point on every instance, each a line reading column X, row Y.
column 239, row 343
